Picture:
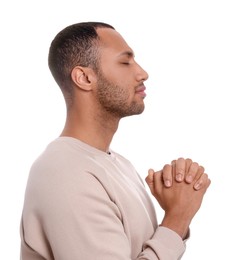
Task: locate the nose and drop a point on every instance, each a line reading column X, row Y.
column 142, row 75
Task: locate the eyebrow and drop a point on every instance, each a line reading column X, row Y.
column 130, row 54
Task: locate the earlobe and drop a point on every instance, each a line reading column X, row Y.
column 82, row 77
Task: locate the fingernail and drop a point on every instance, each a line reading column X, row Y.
column 167, row 183
column 179, row 177
column 197, row 186
column 189, row 178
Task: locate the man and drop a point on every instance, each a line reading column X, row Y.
column 85, row 201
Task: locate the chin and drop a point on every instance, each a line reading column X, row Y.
column 137, row 111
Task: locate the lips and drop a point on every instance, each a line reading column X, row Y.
column 141, row 91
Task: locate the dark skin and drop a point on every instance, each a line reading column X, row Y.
column 94, row 115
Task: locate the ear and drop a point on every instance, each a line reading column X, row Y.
column 83, row 77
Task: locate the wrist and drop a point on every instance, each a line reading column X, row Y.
column 177, row 224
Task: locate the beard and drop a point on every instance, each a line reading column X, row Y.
column 115, row 99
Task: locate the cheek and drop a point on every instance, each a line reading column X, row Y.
column 118, row 75
column 119, row 79
column 124, row 81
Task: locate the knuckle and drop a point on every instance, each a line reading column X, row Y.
column 195, row 164
column 201, row 169
column 205, row 175
column 188, row 160
column 180, row 170
column 180, row 159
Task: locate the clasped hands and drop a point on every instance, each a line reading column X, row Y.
column 179, row 189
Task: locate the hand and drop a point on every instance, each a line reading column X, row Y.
column 181, row 201
column 185, row 170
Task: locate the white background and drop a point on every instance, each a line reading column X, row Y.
column 187, row 47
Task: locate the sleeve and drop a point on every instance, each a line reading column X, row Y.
column 82, row 222
column 165, row 244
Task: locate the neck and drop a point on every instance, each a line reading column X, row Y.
column 93, row 131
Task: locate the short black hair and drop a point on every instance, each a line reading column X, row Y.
column 75, row 45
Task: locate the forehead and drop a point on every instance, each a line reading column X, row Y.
column 112, row 42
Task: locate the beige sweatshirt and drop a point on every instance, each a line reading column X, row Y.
column 84, row 204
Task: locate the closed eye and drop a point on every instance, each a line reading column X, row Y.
column 126, row 58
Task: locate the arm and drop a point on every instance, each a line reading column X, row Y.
column 84, row 223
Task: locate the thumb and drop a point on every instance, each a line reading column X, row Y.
column 150, row 180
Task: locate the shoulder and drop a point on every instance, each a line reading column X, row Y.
column 66, row 166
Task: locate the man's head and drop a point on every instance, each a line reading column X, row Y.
column 75, row 45
column 94, row 58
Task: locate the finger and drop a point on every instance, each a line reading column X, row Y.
column 173, row 165
column 158, row 182
column 188, row 162
column 167, row 175
column 203, row 182
column 150, row 180
column 192, row 172
column 180, row 169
